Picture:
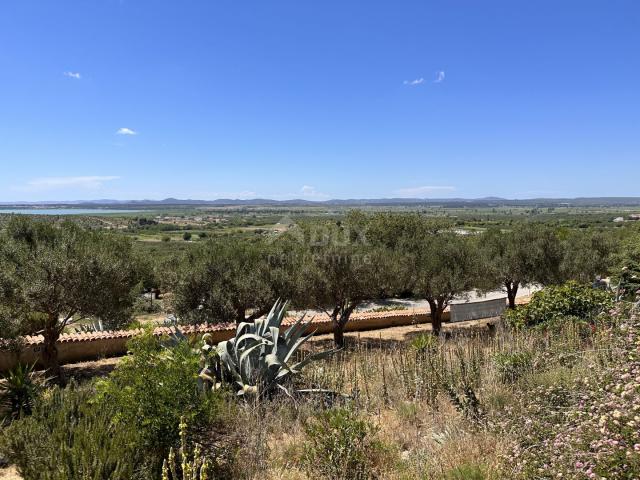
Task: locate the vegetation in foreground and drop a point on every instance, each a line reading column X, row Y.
column 562, row 397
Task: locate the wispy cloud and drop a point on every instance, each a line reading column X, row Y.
column 439, row 77
column 308, row 191
column 75, row 75
column 126, row 131
column 93, row 182
column 415, row 82
column 423, row 191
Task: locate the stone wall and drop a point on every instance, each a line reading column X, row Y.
column 75, row 347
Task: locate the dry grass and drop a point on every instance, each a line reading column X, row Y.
column 439, row 408
column 436, row 408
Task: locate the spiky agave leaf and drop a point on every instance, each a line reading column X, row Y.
column 257, row 360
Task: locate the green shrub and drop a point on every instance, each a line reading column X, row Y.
column 68, row 438
column 466, row 471
column 145, row 306
column 425, row 342
column 512, row 366
column 153, row 388
column 186, row 236
column 558, row 302
column 19, row 389
column 341, row 445
column 629, row 281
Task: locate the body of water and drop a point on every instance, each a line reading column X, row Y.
column 64, row 211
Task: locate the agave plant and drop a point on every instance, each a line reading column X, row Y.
column 19, row 388
column 92, row 327
column 260, row 358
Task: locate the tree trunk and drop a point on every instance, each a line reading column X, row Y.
column 436, row 317
column 512, row 290
column 339, row 319
column 240, row 315
column 436, row 321
column 338, row 335
column 50, row 352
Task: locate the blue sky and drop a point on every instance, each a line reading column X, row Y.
column 133, row 99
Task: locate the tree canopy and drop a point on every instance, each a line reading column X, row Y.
column 530, row 253
column 444, row 266
column 54, row 274
column 339, row 271
column 226, row 280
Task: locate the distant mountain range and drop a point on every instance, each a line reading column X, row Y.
column 444, row 202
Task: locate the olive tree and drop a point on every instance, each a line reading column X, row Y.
column 444, row 266
column 339, row 271
column 586, row 255
column 400, row 235
column 55, row 274
column 530, row 253
column 227, row 280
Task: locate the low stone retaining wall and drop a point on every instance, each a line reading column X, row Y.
column 76, row 347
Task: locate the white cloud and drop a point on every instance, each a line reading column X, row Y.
column 439, row 77
column 75, row 75
column 310, row 192
column 126, row 131
column 59, row 183
column 418, row 192
column 415, row 82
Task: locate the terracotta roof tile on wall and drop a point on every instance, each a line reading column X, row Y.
column 319, row 318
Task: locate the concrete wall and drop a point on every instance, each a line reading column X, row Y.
column 461, row 312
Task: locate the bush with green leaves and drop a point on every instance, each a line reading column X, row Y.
column 511, row 366
column 585, row 425
column 146, row 306
column 19, row 389
column 629, row 281
column 555, row 303
column 425, row 343
column 341, row 445
column 153, row 387
column 226, row 280
column 67, row 437
column 466, row 471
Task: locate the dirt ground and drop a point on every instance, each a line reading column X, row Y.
column 9, row 474
column 403, row 334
